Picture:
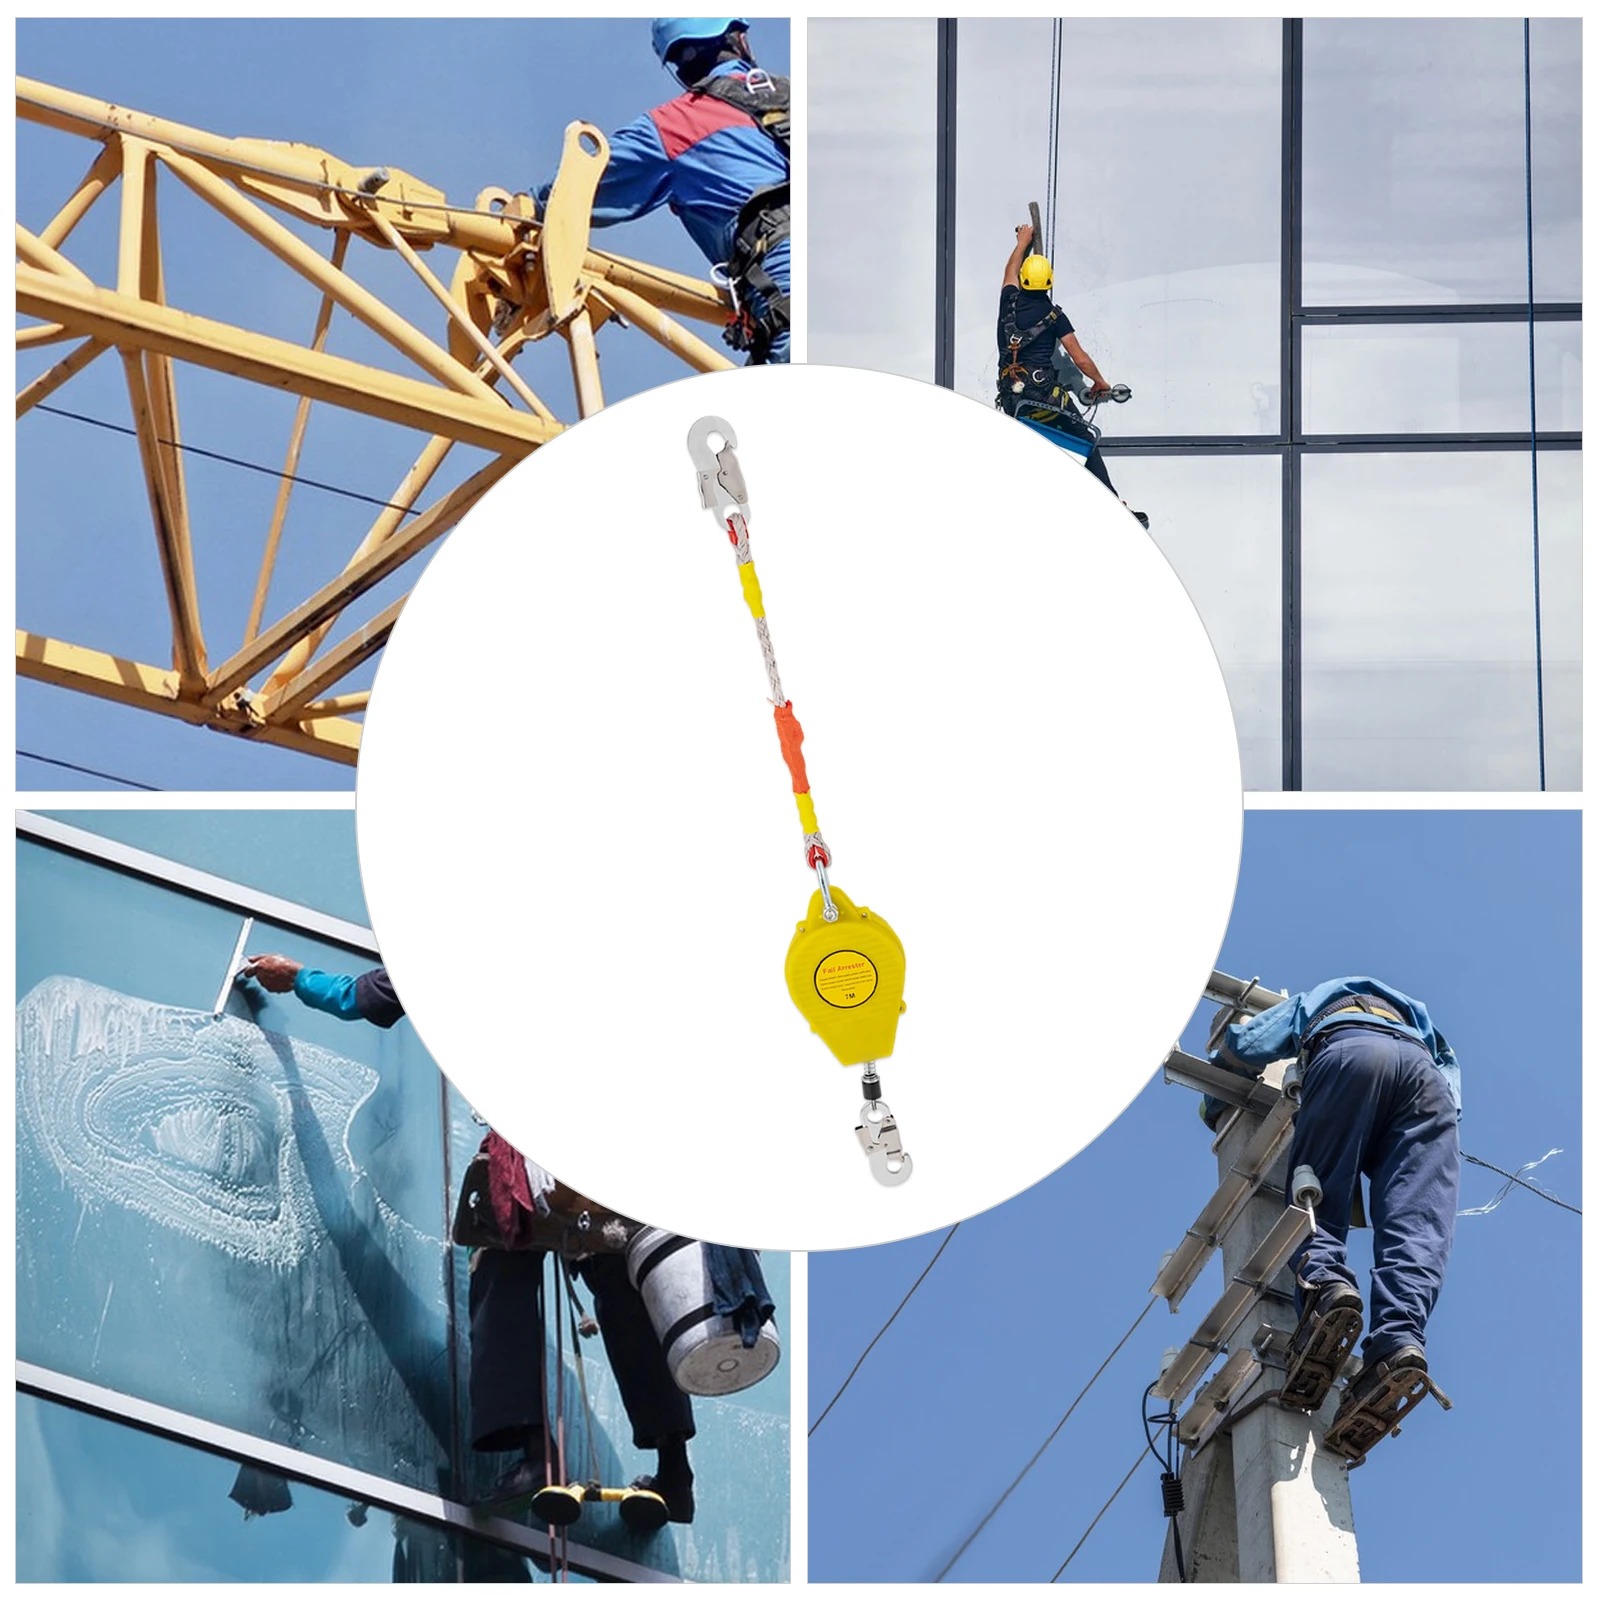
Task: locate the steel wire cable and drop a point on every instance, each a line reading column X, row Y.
column 232, row 461
column 93, row 772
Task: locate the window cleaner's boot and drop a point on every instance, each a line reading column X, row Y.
column 1327, row 1332
column 671, row 1485
column 1378, row 1399
column 1138, row 516
column 515, row 1488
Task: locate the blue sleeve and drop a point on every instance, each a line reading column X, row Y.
column 637, row 179
column 327, row 991
column 1247, row 1047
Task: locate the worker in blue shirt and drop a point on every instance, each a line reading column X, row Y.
column 718, row 157
column 1380, row 1095
column 369, row 997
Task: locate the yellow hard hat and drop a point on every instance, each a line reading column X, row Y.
column 1036, row 273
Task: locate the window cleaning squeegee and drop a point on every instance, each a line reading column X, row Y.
column 846, row 968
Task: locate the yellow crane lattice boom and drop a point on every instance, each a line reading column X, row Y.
column 515, row 280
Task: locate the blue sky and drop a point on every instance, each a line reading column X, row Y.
column 462, row 107
column 1477, row 913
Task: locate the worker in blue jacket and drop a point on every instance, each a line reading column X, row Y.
column 367, row 997
column 1381, row 1096
column 718, row 157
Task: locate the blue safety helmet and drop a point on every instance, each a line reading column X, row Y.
column 665, row 32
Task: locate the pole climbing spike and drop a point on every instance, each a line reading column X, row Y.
column 846, row 967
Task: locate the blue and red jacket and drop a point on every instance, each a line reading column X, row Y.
column 699, row 157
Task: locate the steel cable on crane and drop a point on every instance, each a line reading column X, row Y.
column 232, row 461
column 93, row 772
column 988, row 1516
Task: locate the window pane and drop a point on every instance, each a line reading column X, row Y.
column 1556, row 66
column 1167, row 236
column 1442, row 378
column 1217, row 519
column 1561, row 619
column 100, row 1502
column 237, row 1217
column 1414, row 159
column 1419, row 621
column 869, row 215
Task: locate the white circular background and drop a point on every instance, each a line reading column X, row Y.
column 582, row 857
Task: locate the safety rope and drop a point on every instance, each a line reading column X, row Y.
column 1047, row 245
column 790, row 733
column 561, row 1432
column 1533, row 410
column 583, row 1381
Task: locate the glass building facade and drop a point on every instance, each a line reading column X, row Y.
column 242, row 1331
column 1339, row 263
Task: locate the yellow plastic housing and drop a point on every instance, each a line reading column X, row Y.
column 847, row 978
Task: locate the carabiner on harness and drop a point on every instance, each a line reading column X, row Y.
column 846, row 967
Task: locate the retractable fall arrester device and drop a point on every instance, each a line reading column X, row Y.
column 845, row 968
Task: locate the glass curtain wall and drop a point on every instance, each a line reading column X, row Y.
column 233, row 1230
column 1339, row 263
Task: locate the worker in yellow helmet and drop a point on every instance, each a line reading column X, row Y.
column 1031, row 329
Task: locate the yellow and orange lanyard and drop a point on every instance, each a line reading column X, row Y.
column 846, row 967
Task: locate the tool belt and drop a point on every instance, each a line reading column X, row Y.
column 1351, row 1009
column 572, row 1226
column 761, row 308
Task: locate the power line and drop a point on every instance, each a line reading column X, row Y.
column 1049, row 1440
column 93, row 772
column 1543, row 1194
column 233, row 461
column 1138, row 1461
column 883, row 1330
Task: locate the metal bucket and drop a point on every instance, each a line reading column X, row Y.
column 703, row 1350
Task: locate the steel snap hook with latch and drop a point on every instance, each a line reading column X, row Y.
column 717, row 472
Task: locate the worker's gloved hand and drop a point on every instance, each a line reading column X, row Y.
column 276, row 974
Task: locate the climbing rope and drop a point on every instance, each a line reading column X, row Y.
column 1052, row 178
column 1533, row 411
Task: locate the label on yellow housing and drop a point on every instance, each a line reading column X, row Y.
column 846, row 979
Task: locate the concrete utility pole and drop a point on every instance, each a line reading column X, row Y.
column 1264, row 1502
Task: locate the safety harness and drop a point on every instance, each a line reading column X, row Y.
column 760, row 308
column 1015, row 378
column 846, row 967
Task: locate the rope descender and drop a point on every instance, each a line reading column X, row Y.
column 845, row 967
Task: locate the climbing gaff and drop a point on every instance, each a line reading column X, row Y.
column 845, row 966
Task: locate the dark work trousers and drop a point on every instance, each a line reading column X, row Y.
column 506, row 1300
column 1374, row 1103
column 656, row 1406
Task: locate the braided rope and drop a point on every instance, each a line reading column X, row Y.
column 816, row 847
column 770, row 660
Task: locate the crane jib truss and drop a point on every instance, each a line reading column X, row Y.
column 517, row 279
